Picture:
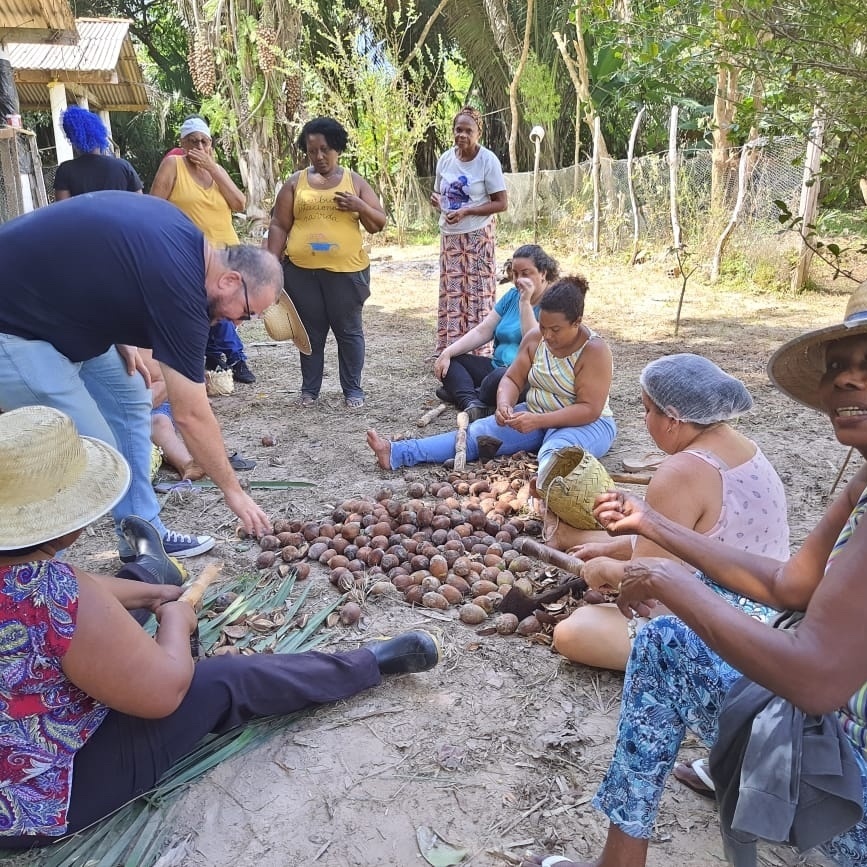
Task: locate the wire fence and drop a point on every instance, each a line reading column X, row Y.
column 565, row 199
column 21, row 185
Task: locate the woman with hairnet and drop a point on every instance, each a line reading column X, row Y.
column 714, row 481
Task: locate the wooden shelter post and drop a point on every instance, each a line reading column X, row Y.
column 105, row 117
column 57, row 95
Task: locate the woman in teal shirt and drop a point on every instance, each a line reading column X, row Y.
column 470, row 381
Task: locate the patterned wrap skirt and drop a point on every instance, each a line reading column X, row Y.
column 468, row 285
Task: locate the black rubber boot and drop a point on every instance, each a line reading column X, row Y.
column 407, row 653
column 150, row 555
column 476, row 410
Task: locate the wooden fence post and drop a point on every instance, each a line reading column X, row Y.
column 597, row 162
column 630, row 154
column 736, row 212
column 672, row 178
column 809, row 199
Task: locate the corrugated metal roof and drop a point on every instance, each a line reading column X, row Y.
column 102, row 66
column 36, row 21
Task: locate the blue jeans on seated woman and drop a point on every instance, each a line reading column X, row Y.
column 595, row 438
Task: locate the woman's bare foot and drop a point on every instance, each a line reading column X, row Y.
column 381, row 448
column 192, row 472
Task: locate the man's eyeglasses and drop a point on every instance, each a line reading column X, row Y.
column 249, row 315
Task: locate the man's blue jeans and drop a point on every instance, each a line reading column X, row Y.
column 103, row 400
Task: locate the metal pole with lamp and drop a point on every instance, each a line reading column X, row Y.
column 536, row 136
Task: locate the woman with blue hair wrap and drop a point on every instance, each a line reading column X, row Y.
column 93, row 168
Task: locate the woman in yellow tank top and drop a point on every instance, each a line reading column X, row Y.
column 316, row 227
column 206, row 193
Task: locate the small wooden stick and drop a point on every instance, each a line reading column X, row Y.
column 631, row 478
column 431, row 414
column 194, row 591
column 842, row 470
column 461, row 443
column 549, row 555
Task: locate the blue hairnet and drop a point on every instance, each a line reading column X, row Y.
column 690, row 388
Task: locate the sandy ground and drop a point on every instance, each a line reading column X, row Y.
column 500, row 749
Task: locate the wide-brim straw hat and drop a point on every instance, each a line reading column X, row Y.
column 282, row 322
column 798, row 366
column 52, row 481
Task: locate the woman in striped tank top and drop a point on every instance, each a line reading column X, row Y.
column 567, row 368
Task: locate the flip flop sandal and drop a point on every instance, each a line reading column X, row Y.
column 239, row 462
column 305, row 401
column 694, row 776
column 553, row 860
column 354, row 402
column 647, row 464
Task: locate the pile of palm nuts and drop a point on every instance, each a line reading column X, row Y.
column 448, row 544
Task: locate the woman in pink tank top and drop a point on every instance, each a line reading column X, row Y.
column 714, row 481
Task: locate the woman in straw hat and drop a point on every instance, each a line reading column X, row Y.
column 94, row 710
column 714, row 481
column 682, row 667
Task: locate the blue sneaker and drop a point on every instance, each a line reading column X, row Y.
column 180, row 545
column 142, row 538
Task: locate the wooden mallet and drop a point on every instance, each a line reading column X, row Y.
column 195, row 589
column 193, row 592
column 517, row 602
column 461, row 443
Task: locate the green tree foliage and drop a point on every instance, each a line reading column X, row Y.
column 539, row 97
column 370, row 74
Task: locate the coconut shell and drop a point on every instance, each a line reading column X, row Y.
column 269, row 543
column 438, row 566
column 436, row 600
column 485, row 603
column 507, row 624
column 265, row 559
column 403, row 582
column 452, row 594
column 458, row 583
column 529, row 626
column 472, row 614
column 429, row 583
column 414, row 594
column 350, row 613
